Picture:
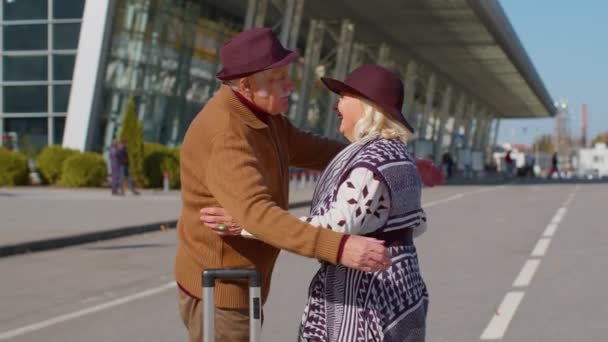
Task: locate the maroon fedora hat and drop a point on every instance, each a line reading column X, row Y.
column 252, row 51
column 376, row 84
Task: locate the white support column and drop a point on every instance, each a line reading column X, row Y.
column 496, row 130
column 428, row 107
column 296, row 23
column 260, row 13
column 314, row 42
column 480, row 123
column 484, row 141
column 488, row 130
column 409, row 91
column 356, row 57
column 384, row 54
column 288, row 17
column 459, row 117
column 50, row 100
column 344, row 46
column 250, row 15
column 468, row 126
column 444, row 111
column 1, row 88
column 89, row 67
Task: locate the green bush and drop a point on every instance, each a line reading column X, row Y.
column 132, row 130
column 159, row 159
column 13, row 168
column 50, row 162
column 84, row 170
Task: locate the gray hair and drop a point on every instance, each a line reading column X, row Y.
column 261, row 77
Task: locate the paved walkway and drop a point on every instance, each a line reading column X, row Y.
column 42, row 213
column 41, row 218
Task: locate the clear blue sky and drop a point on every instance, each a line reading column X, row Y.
column 567, row 40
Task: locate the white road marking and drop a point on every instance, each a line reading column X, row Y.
column 76, row 314
column 571, row 197
column 559, row 215
column 459, row 196
column 448, row 199
column 550, row 230
column 541, row 247
column 500, row 321
column 527, row 273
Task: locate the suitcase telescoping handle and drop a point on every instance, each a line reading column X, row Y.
column 255, row 301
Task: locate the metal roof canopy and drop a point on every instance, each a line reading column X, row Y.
column 469, row 42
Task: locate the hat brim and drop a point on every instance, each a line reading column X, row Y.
column 226, row 74
column 341, row 88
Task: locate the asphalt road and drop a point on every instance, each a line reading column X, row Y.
column 511, row 263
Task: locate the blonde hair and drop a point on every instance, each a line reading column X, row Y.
column 374, row 120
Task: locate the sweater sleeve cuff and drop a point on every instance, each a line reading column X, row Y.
column 328, row 245
column 341, row 248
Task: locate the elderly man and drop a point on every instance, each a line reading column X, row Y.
column 236, row 155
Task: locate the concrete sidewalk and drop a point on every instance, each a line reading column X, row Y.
column 42, row 218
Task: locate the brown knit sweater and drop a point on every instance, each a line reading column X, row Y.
column 233, row 160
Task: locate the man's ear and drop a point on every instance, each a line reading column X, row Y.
column 245, row 85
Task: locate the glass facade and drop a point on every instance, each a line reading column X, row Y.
column 163, row 55
column 38, row 46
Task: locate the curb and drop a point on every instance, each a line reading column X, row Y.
column 79, row 239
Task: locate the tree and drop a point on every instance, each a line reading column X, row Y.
column 600, row 138
column 544, row 143
column 132, row 131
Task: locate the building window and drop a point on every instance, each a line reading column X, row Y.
column 61, row 97
column 598, row 159
column 32, row 133
column 65, row 36
column 58, row 127
column 24, row 10
column 63, row 67
column 68, row 9
column 25, row 99
column 25, row 68
column 25, row 37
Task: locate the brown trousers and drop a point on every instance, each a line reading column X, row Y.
column 231, row 325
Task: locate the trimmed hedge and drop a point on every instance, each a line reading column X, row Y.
column 50, row 162
column 13, row 168
column 159, row 159
column 84, row 170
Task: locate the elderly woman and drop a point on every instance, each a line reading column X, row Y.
column 372, row 188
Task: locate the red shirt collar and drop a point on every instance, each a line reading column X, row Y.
column 257, row 111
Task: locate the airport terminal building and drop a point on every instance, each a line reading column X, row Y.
column 69, row 67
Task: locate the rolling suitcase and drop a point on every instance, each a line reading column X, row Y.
column 255, row 301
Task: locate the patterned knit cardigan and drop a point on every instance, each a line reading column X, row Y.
column 393, row 164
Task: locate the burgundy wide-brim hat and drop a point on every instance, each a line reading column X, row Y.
column 376, row 84
column 253, row 51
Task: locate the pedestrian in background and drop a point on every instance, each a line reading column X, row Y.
column 115, row 169
column 554, row 166
column 123, row 159
column 509, row 164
